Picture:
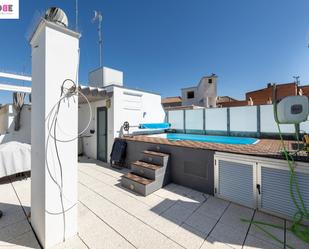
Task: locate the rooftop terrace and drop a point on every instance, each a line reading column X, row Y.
column 113, row 217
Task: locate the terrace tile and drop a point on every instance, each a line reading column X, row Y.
column 112, row 217
column 294, row 241
column 213, row 207
column 269, row 219
column 255, row 243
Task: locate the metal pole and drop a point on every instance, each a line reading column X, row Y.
column 100, row 39
column 98, row 17
column 76, row 15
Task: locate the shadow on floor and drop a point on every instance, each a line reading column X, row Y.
column 15, row 228
column 188, row 212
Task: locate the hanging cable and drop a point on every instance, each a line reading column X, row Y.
column 301, row 213
column 67, row 93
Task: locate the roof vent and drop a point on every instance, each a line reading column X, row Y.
column 57, row 16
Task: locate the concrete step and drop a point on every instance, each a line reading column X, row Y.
column 138, row 184
column 149, row 174
column 148, row 170
column 155, row 157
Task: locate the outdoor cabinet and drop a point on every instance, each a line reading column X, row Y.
column 274, row 179
column 259, row 182
column 235, row 180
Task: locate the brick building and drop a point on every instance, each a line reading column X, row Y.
column 265, row 95
column 262, row 96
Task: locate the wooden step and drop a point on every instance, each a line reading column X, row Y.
column 137, row 178
column 155, row 153
column 147, row 165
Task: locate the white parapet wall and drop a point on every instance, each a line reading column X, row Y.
column 55, row 57
column 243, row 119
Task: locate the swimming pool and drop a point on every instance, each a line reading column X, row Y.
column 207, row 138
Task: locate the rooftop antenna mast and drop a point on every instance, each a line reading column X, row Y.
column 76, row 15
column 98, row 17
column 296, row 78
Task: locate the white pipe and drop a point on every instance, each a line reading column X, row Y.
column 15, row 88
column 15, row 76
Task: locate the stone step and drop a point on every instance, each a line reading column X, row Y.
column 137, row 178
column 154, row 157
column 139, row 184
column 148, row 170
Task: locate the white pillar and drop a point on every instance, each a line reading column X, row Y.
column 55, row 56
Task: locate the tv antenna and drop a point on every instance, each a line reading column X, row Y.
column 98, row 17
column 76, row 15
column 296, row 78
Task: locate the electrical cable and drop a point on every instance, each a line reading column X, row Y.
column 52, row 123
column 301, row 214
column 86, row 127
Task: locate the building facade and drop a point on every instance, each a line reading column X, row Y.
column 204, row 94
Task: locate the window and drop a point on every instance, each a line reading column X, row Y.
column 209, row 81
column 190, row 95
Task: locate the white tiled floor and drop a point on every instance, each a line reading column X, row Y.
column 113, row 217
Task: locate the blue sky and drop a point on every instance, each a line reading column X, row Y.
column 164, row 45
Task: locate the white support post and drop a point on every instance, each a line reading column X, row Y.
column 55, row 57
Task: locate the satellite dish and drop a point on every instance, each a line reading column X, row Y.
column 56, row 15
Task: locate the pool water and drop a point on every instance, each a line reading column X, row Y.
column 207, row 138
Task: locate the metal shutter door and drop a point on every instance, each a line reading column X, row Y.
column 235, row 182
column 275, row 193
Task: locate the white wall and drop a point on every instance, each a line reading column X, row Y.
column 205, row 93
column 243, row 118
column 184, row 97
column 8, row 133
column 194, row 119
column 136, row 107
column 268, row 123
column 305, row 126
column 90, row 140
column 105, row 76
column 216, row 119
column 133, row 106
column 175, row 118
